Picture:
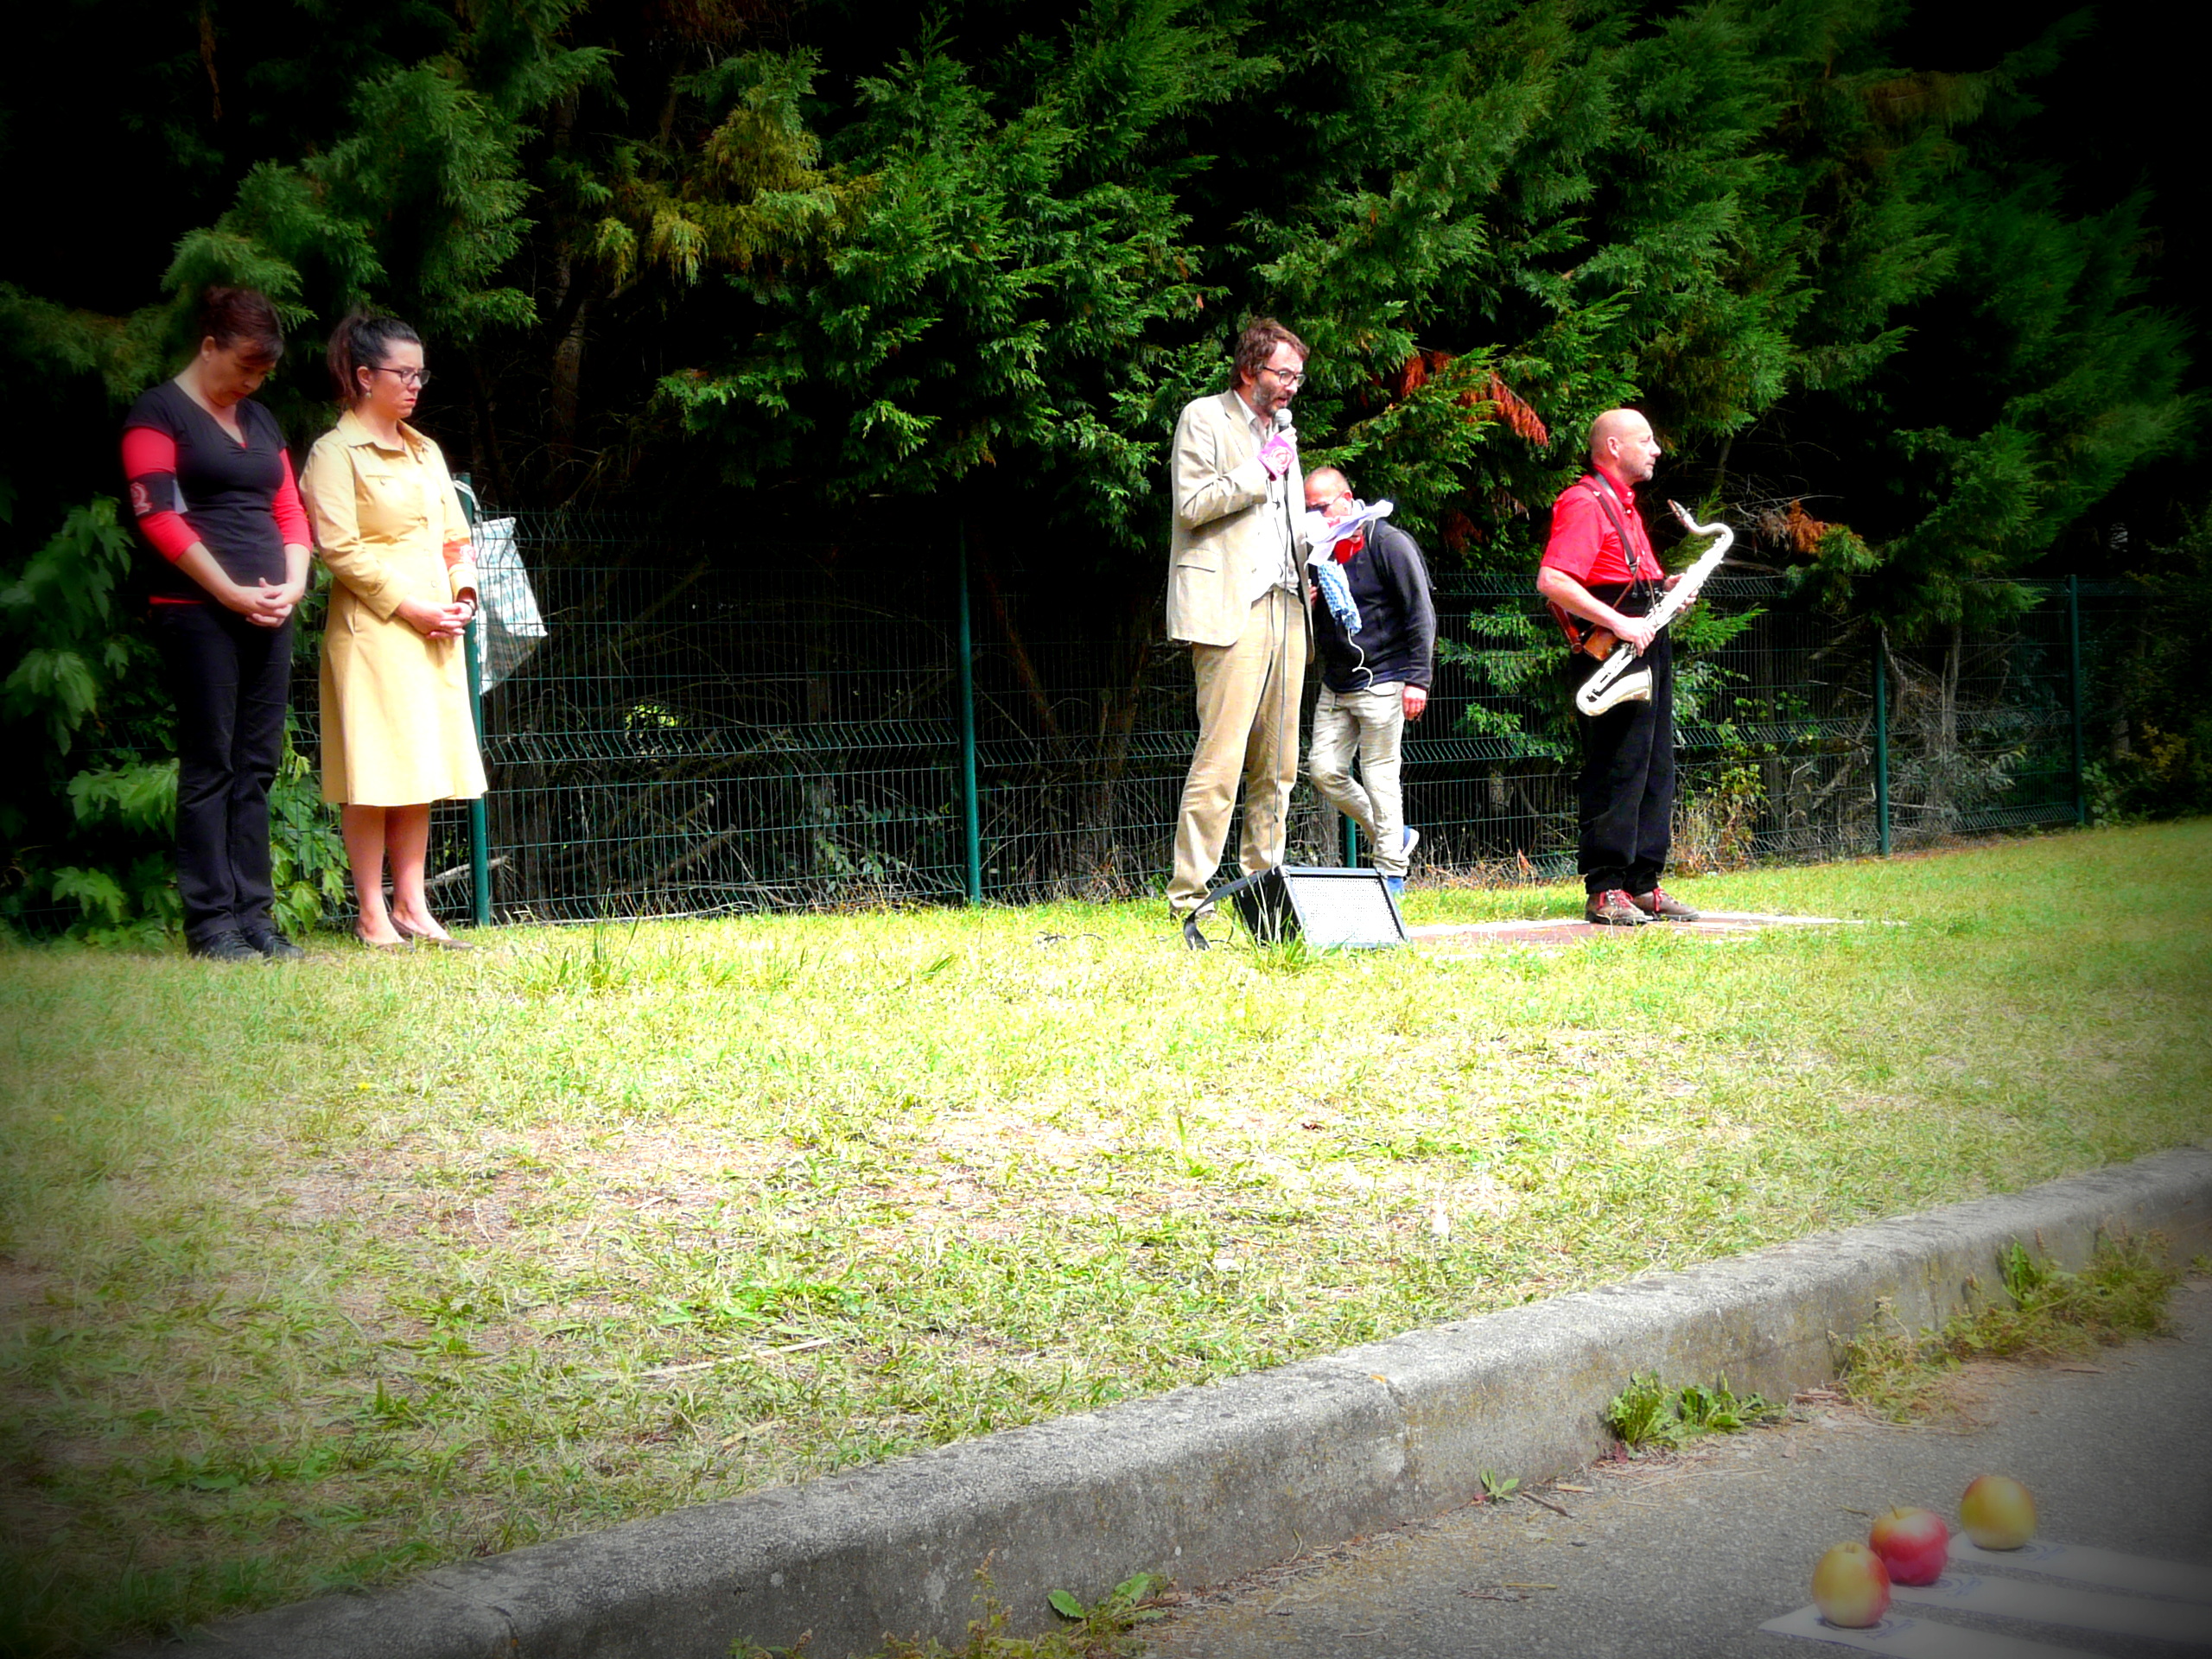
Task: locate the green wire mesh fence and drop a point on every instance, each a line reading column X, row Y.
column 716, row 737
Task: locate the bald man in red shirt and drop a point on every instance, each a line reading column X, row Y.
column 1599, row 570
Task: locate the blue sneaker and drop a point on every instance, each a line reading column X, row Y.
column 1396, row 884
column 1411, row 840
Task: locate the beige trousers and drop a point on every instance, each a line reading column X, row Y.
column 1248, row 728
column 1373, row 722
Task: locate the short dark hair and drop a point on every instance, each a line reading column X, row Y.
column 363, row 341
column 242, row 320
column 1257, row 344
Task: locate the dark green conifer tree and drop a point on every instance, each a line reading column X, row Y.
column 741, row 253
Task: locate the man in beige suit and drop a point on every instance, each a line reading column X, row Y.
column 1233, row 597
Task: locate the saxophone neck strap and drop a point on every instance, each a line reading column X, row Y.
column 1578, row 633
column 1632, row 555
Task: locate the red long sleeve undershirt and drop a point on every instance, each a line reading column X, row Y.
column 149, row 463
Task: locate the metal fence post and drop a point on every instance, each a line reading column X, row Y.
column 971, row 808
column 1351, row 843
column 479, row 833
column 1882, row 740
column 2074, row 694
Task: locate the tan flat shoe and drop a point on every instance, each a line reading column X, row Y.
column 436, row 941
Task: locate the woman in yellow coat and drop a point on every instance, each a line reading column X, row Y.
column 397, row 730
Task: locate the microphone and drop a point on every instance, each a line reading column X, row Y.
column 1285, row 436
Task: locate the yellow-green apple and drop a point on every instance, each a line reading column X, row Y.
column 1998, row 1513
column 1851, row 1587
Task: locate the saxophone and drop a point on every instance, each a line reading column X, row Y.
column 1618, row 679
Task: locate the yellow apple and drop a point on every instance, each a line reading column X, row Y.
column 1998, row 1513
column 1851, row 1587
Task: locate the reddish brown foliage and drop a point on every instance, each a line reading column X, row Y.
column 1515, row 411
column 1803, row 529
column 1412, row 375
column 1504, row 404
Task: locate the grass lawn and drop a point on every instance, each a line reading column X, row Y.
column 310, row 1277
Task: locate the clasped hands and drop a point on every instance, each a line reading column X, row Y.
column 266, row 604
column 437, row 621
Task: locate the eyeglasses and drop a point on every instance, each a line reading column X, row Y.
column 1292, row 378
column 413, row 379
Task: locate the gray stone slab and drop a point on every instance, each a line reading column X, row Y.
column 1209, row 1483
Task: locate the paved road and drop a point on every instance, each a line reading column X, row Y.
column 1689, row 1558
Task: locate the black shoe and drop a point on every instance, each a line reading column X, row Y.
column 273, row 945
column 229, row 946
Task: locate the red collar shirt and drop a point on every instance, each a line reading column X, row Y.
column 1585, row 545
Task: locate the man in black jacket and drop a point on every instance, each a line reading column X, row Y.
column 1373, row 680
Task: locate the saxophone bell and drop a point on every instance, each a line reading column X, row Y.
column 1608, row 688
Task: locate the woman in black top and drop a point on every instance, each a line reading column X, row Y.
column 213, row 490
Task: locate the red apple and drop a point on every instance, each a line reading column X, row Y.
column 1851, row 1587
column 1998, row 1513
column 1912, row 1543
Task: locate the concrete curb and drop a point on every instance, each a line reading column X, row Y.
column 1209, row 1483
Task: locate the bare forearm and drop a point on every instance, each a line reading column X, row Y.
column 1571, row 596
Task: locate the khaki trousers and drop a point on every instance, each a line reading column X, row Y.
column 1248, row 728
column 1373, row 722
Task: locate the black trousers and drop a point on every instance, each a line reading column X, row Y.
column 232, row 683
column 1627, row 782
